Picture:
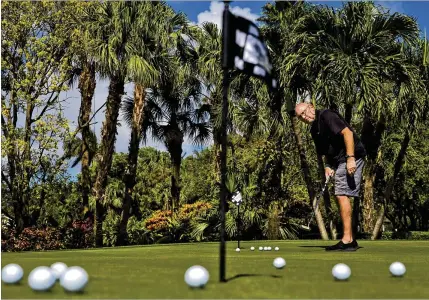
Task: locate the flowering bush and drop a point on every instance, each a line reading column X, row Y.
column 32, row 239
column 79, row 235
column 168, row 227
column 159, row 220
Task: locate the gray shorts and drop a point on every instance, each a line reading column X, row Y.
column 346, row 185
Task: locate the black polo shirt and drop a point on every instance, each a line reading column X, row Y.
column 326, row 132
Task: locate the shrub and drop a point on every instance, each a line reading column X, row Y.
column 79, row 235
column 33, row 239
column 405, row 235
column 166, row 227
column 111, row 228
column 137, row 232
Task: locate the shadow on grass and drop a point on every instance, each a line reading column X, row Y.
column 252, row 275
column 324, row 247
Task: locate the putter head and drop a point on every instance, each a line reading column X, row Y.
column 306, row 228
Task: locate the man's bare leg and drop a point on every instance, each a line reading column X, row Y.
column 346, row 217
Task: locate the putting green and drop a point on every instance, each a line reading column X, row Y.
column 157, row 271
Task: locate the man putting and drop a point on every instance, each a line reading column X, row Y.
column 344, row 156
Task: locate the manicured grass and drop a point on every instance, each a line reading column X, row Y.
column 157, row 271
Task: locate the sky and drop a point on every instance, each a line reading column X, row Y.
column 211, row 11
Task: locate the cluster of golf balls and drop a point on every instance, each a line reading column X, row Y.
column 263, row 248
column 342, row 271
column 72, row 279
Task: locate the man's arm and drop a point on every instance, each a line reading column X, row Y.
column 348, row 141
column 350, row 150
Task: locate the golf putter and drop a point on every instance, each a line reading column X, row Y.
column 317, row 204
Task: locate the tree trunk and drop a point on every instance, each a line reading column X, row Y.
column 327, row 199
column 86, row 86
column 133, row 152
column 390, row 185
column 368, row 197
column 174, row 147
column 28, row 166
column 273, row 232
column 104, row 158
column 371, row 138
column 306, row 170
column 348, row 113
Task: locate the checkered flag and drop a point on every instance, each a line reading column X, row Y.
column 247, row 51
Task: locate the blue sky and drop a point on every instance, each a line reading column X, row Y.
column 417, row 9
column 198, row 12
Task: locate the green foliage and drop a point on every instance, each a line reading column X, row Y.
column 411, row 235
column 137, row 232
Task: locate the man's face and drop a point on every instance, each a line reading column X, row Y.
column 305, row 112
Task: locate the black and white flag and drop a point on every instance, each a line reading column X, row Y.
column 246, row 50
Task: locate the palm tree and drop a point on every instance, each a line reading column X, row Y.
column 285, row 32
column 115, row 26
column 172, row 112
column 146, row 45
column 84, row 71
column 209, row 53
column 411, row 109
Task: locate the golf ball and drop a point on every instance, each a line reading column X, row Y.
column 341, row 271
column 279, row 263
column 397, row 269
column 12, row 273
column 237, row 250
column 58, row 269
column 269, row 248
column 252, row 248
column 196, row 276
column 260, row 248
column 74, row 279
column 41, row 279
column 277, row 248
column 265, row 248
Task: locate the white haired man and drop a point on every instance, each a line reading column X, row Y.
column 344, row 156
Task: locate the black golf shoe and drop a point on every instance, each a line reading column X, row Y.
column 340, row 246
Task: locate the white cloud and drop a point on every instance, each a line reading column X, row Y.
column 214, row 15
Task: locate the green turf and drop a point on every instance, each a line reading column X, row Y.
column 157, row 271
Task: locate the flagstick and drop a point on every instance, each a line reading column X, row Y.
column 223, row 143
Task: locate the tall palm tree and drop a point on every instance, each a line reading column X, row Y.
column 209, row 53
column 411, row 109
column 285, row 31
column 173, row 112
column 154, row 45
column 115, row 26
column 146, row 45
column 84, row 71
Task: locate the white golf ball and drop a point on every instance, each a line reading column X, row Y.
column 265, row 248
column 237, row 250
column 41, row 279
column 277, row 248
column 196, row 276
column 58, row 269
column 279, row 263
column 269, row 248
column 12, row 273
column 261, row 248
column 397, row 269
column 252, row 248
column 74, row 279
column 341, row 271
